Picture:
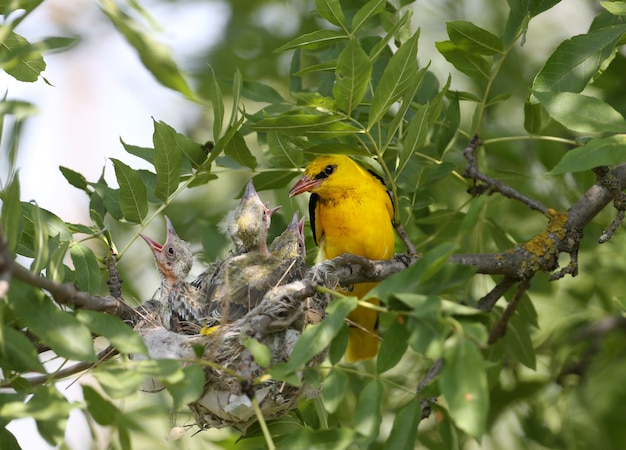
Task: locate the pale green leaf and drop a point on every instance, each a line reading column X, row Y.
column 20, row 59
column 582, row 113
column 463, row 383
column 316, row 39
column 119, row 334
column 609, row 151
column 367, row 11
column 615, row 8
column 331, row 11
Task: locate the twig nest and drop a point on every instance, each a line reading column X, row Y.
column 276, row 322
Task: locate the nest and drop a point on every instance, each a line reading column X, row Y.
column 277, row 322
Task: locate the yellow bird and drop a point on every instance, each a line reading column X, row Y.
column 351, row 211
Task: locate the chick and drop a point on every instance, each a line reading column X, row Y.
column 242, row 281
column 248, row 223
column 180, row 301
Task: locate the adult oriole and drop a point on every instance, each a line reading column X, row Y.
column 351, row 211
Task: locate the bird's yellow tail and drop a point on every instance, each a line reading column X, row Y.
column 363, row 342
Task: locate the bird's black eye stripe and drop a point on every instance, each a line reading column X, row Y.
column 328, row 171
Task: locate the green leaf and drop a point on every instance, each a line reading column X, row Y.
column 74, row 178
column 190, row 388
column 331, row 11
column 577, row 60
column 102, row 410
column 473, row 39
column 133, row 195
column 167, row 160
column 518, row 341
column 352, row 77
column 394, row 345
column 307, row 438
column 18, row 108
column 582, row 113
column 323, row 126
column 33, row 218
column 11, row 213
column 273, row 179
column 367, row 11
column 259, row 92
column 472, row 65
column 55, row 270
column 314, row 40
column 20, row 59
column 8, row 441
column 238, row 150
column 215, row 93
column 17, row 352
column 404, row 431
column 331, row 148
column 120, row 335
column 65, row 335
column 608, row 151
column 316, row 337
column 615, row 8
column 118, row 382
column 368, row 416
column 334, row 389
column 260, row 352
column 87, row 268
column 535, row 117
column 155, row 56
column 396, row 79
column 464, row 389
column 416, row 133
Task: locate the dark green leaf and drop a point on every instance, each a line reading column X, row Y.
column 336, row 148
column 167, row 160
column 582, row 113
column 518, row 340
column 260, row 92
column 396, row 79
column 215, row 93
column 404, row 431
column 87, row 268
column 367, row 11
column 102, row 410
column 465, row 390
column 473, row 39
column 323, row 126
column 608, row 151
column 314, row 40
column 55, row 270
column 74, row 178
column 8, row 441
column 577, row 60
column 120, row 335
column 416, row 133
column 17, row 352
column 353, row 75
column 393, row 346
column 331, row 11
column 133, row 195
column 306, row 438
column 10, row 222
column 472, row 65
column 238, row 150
column 535, row 117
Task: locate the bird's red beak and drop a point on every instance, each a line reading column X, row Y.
column 155, row 246
column 305, row 184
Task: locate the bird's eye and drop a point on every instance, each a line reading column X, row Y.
column 170, row 250
column 329, row 170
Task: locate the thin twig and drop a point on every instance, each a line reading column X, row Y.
column 473, row 172
column 499, row 329
column 488, row 301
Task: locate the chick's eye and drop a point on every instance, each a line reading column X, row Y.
column 170, row 251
